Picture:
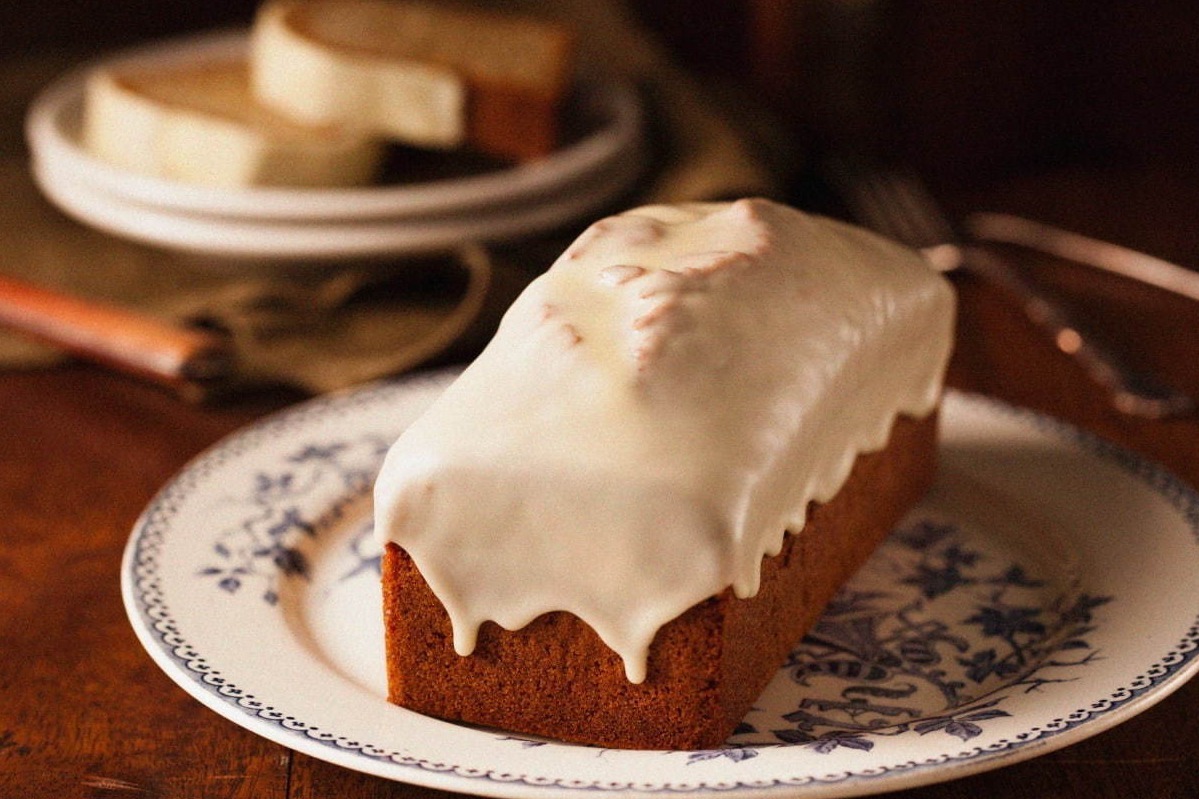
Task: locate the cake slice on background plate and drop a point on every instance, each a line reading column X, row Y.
column 198, row 122
column 423, row 74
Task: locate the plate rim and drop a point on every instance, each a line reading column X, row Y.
column 315, row 245
column 1165, row 673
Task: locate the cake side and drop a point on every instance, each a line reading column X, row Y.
column 555, row 677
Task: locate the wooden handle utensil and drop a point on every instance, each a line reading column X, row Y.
column 186, row 359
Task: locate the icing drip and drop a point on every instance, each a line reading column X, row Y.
column 656, row 410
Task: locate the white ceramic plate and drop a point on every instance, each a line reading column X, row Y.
column 1043, row 592
column 277, row 222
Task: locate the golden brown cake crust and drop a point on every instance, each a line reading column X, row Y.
column 556, row 679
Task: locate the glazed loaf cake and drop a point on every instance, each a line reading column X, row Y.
column 586, row 534
column 421, row 73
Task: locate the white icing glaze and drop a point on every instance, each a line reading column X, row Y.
column 656, row 410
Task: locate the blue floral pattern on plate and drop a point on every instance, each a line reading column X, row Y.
column 940, row 652
column 266, row 544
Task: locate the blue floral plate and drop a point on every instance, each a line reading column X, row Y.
column 1043, row 592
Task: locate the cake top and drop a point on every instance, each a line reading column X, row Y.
column 656, row 410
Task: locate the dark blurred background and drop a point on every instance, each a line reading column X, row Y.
column 966, row 90
column 973, row 94
column 962, row 87
column 1080, row 113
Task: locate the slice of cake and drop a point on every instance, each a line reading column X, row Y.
column 198, row 122
column 421, row 73
column 586, row 535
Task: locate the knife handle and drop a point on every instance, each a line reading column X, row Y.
column 135, row 343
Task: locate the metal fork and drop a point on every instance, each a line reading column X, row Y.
column 898, row 205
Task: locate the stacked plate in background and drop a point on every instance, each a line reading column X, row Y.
column 600, row 161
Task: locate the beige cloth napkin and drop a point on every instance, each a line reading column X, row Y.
column 320, row 330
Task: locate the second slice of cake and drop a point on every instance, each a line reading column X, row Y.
column 587, row 533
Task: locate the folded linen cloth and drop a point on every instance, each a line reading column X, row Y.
column 323, row 329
